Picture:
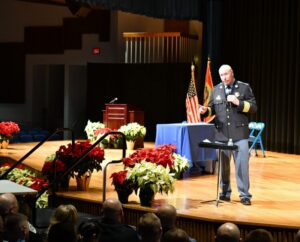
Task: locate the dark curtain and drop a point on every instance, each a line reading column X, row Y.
column 261, row 42
column 170, row 9
column 157, row 89
column 259, row 39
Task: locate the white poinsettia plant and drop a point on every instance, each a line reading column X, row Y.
column 181, row 164
column 150, row 175
column 90, row 129
column 133, row 131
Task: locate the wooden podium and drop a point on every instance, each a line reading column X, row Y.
column 116, row 115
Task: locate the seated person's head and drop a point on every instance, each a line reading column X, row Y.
column 62, row 232
column 167, row 215
column 149, row 227
column 88, row 231
column 176, row 235
column 8, row 204
column 64, row 214
column 228, row 232
column 16, row 227
column 112, row 211
column 259, row 235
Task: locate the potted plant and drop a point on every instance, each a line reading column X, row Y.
column 150, row 178
column 163, row 155
column 26, row 177
column 7, row 131
column 90, row 129
column 181, row 164
column 132, row 132
column 67, row 154
column 123, row 186
column 98, row 133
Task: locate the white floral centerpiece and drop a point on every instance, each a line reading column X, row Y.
column 149, row 179
column 181, row 164
column 90, row 129
column 133, row 131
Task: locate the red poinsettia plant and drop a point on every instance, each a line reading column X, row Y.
column 121, row 183
column 8, row 129
column 163, row 155
column 66, row 155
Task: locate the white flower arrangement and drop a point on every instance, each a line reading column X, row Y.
column 181, row 164
column 90, row 129
column 150, row 175
column 133, row 131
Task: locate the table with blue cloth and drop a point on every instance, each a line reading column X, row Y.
column 186, row 138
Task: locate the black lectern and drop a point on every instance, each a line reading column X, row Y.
column 219, row 147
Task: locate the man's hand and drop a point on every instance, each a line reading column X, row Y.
column 202, row 109
column 233, row 99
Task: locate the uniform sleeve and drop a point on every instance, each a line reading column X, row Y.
column 248, row 103
column 211, row 109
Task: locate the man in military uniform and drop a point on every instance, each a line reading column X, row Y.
column 231, row 101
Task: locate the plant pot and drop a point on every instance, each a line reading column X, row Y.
column 130, row 144
column 83, row 182
column 64, row 185
column 61, row 186
column 146, row 196
column 4, row 144
column 123, row 195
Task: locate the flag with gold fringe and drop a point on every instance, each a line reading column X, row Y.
column 191, row 102
column 208, row 86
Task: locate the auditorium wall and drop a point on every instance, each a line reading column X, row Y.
column 16, row 15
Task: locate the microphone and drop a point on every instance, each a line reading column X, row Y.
column 114, row 100
column 228, row 91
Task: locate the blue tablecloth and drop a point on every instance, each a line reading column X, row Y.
column 186, row 138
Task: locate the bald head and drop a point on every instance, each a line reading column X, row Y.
column 228, row 232
column 112, row 210
column 167, row 215
column 8, row 204
column 226, row 74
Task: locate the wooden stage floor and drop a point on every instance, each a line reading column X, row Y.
column 275, row 186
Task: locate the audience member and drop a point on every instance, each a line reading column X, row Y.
column 16, row 227
column 167, row 215
column 89, row 231
column 62, row 232
column 175, row 235
column 228, row 232
column 9, row 205
column 297, row 237
column 64, row 214
column 111, row 224
column 149, row 228
column 259, row 235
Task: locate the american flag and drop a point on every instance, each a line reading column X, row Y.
column 191, row 102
